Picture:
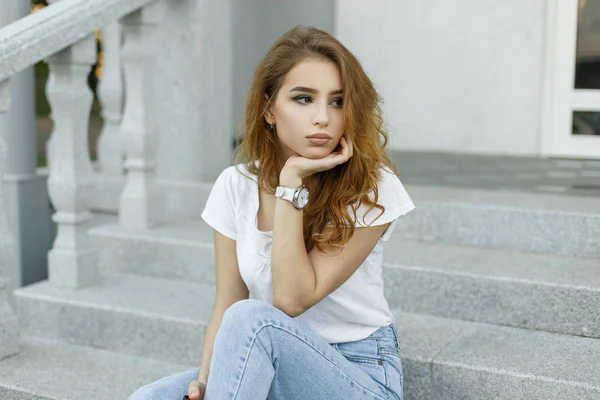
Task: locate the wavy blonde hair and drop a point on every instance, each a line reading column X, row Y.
column 347, row 186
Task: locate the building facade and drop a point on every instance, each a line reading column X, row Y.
column 472, row 76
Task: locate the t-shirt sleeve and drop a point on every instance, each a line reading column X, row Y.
column 395, row 199
column 219, row 210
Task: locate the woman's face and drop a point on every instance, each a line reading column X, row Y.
column 308, row 103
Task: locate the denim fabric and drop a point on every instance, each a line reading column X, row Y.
column 261, row 353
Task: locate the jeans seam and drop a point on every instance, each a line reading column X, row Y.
column 396, row 334
column 301, row 339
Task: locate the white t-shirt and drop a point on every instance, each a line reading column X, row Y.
column 354, row 310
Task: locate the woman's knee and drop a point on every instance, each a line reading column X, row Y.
column 246, row 313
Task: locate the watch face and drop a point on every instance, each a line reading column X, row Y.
column 303, row 197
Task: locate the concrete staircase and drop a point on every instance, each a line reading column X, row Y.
column 496, row 296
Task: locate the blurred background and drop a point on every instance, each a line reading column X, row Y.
column 495, row 83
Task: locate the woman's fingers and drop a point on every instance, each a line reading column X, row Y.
column 346, row 152
column 196, row 390
column 307, row 167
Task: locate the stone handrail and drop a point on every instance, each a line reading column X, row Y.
column 62, row 35
column 38, row 36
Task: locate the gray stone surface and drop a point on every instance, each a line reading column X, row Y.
column 9, row 327
column 190, row 197
column 421, row 339
column 183, row 251
column 443, row 358
column 196, row 98
column 107, row 192
column 9, row 331
column 545, row 292
column 140, row 205
column 466, row 360
column 542, row 292
column 511, row 173
column 505, row 363
column 443, row 214
column 518, row 179
column 504, row 198
column 40, row 35
column 125, row 313
column 51, row 370
column 111, row 97
column 537, row 223
column 72, row 262
column 184, row 200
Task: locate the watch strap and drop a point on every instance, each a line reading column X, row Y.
column 285, row 193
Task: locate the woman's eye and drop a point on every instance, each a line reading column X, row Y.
column 338, row 102
column 301, row 98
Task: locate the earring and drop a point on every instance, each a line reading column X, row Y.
column 271, row 126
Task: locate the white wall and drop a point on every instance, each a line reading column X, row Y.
column 460, row 75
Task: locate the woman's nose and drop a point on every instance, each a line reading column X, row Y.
column 322, row 116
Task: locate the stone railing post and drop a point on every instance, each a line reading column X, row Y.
column 9, row 331
column 50, row 141
column 140, row 205
column 72, row 262
column 110, row 94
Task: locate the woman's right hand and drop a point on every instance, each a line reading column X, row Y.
column 196, row 390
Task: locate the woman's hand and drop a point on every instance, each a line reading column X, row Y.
column 196, row 390
column 302, row 167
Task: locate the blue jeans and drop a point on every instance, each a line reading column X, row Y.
column 261, row 353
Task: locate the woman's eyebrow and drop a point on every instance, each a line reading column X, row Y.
column 311, row 90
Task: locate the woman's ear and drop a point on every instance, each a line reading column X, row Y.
column 268, row 115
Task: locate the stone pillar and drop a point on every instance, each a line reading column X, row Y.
column 9, row 331
column 72, row 262
column 140, row 205
column 194, row 80
column 110, row 94
column 25, row 193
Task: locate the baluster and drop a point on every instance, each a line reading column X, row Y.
column 72, row 262
column 9, row 330
column 110, row 94
column 50, row 141
column 140, row 200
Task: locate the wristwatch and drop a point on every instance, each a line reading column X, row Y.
column 298, row 196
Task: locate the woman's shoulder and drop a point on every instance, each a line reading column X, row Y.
column 237, row 173
column 387, row 177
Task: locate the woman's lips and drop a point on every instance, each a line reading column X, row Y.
column 319, row 140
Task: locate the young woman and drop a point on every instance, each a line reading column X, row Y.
column 299, row 224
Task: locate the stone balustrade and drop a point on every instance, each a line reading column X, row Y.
column 9, row 333
column 62, row 34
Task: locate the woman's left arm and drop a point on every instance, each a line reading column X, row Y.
column 300, row 280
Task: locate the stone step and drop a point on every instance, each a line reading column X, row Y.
column 182, row 251
column 50, row 370
column 443, row 358
column 526, row 222
column 135, row 315
column 523, row 290
column 526, row 290
column 508, row 220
